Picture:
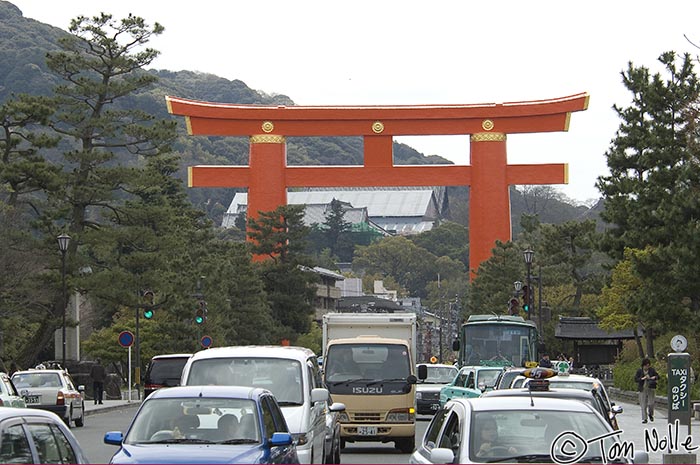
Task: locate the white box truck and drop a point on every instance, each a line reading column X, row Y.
column 369, row 365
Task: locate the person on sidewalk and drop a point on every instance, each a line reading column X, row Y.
column 646, row 378
column 98, row 375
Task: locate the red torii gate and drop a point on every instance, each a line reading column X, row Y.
column 267, row 176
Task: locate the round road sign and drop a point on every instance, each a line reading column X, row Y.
column 206, row 341
column 126, row 339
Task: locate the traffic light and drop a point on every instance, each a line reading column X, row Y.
column 149, row 297
column 513, row 305
column 526, row 298
column 200, row 315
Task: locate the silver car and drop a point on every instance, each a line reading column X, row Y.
column 36, row 436
column 52, row 390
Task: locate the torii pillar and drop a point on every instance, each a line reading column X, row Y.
column 489, row 176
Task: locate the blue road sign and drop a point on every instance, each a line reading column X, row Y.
column 206, row 341
column 126, row 339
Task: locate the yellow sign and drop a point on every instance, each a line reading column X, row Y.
column 433, row 359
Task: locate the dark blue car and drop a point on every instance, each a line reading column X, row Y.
column 206, row 424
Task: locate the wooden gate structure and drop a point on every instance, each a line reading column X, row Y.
column 488, row 176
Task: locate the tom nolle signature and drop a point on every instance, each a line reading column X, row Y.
column 571, row 446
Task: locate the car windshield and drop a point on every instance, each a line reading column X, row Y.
column 36, row 380
column 195, row 420
column 488, row 377
column 440, row 375
column 515, row 433
column 281, row 376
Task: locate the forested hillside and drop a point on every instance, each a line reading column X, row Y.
column 24, row 43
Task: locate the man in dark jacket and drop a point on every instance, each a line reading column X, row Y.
column 646, row 378
column 98, row 375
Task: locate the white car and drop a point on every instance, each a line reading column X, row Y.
column 52, row 390
column 519, row 429
column 290, row 373
column 9, row 397
column 428, row 388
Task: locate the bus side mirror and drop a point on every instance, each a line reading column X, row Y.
column 422, row 371
column 455, row 345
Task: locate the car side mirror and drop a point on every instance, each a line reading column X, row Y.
column 442, row 455
column 337, row 407
column 411, row 379
column 114, row 438
column 81, row 388
column 482, row 386
column 280, row 439
column 319, row 395
column 422, row 371
column 616, row 409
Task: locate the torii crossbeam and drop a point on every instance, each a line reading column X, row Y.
column 267, row 175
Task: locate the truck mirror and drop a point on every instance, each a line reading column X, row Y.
column 455, row 345
column 422, row 371
column 411, row 379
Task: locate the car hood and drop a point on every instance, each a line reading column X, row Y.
column 189, row 453
column 294, row 416
column 429, row 387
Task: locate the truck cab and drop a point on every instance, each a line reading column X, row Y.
column 369, row 366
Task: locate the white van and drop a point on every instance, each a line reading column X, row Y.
column 290, row 373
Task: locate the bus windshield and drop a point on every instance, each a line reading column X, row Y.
column 502, row 343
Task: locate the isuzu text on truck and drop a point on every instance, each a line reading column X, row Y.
column 368, row 365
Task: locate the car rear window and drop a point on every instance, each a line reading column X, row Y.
column 166, row 369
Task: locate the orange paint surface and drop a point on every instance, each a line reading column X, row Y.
column 488, row 175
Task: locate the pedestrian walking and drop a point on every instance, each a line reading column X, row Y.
column 98, row 375
column 646, row 378
column 545, row 362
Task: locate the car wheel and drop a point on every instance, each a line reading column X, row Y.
column 79, row 422
column 69, row 415
column 342, row 443
column 336, row 455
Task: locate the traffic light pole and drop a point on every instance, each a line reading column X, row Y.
column 137, row 343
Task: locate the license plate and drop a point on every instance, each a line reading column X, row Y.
column 31, row 399
column 367, row 430
column 434, row 406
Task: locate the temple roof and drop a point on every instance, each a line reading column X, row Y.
column 587, row 328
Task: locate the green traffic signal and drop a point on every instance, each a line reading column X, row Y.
column 526, row 308
column 148, row 313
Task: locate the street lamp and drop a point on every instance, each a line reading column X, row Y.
column 529, row 254
column 63, row 241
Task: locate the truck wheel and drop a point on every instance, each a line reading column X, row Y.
column 406, row 445
column 342, row 443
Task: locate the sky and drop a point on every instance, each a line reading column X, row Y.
column 406, row 52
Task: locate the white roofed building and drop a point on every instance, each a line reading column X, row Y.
column 399, row 211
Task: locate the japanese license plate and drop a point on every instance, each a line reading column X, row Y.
column 367, row 430
column 434, row 406
column 31, row 399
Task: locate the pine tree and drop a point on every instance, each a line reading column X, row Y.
column 651, row 195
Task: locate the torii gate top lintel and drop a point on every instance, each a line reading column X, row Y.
column 509, row 117
column 488, row 176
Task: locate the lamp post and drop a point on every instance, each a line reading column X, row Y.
column 63, row 241
column 529, row 254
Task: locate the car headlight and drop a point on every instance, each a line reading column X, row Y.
column 343, row 417
column 419, row 395
column 300, row 438
column 401, row 415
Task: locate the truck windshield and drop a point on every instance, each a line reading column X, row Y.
column 367, row 362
